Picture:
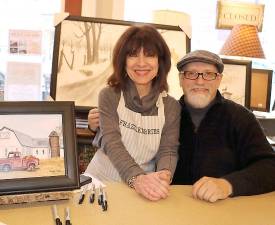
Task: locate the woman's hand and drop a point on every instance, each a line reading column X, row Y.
column 165, row 175
column 152, row 186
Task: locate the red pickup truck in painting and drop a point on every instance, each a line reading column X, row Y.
column 14, row 161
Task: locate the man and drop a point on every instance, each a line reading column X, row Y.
column 223, row 151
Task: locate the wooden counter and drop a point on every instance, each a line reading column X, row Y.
column 128, row 208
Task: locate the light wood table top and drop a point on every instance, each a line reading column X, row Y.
column 125, row 207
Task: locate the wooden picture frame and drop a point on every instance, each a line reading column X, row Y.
column 37, row 147
column 235, row 84
column 261, row 82
column 78, row 75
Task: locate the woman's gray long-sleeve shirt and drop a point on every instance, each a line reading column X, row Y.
column 109, row 136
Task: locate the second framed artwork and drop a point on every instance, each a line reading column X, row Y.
column 261, row 82
column 236, row 81
column 82, row 59
column 37, row 147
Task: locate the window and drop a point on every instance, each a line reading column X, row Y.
column 26, row 41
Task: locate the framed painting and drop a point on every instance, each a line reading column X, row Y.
column 82, row 57
column 37, row 147
column 261, row 82
column 236, row 80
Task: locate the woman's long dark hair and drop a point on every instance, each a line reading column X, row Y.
column 131, row 42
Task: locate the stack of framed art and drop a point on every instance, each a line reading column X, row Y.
column 245, row 85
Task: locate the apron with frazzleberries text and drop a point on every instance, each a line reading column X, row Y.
column 141, row 137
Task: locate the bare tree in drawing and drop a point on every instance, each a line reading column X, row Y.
column 63, row 56
column 96, row 38
column 60, row 61
column 91, row 32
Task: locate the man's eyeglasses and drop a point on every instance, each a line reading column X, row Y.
column 195, row 75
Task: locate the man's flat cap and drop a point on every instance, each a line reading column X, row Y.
column 201, row 56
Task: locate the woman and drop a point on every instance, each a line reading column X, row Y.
column 139, row 122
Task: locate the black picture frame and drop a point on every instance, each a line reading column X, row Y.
column 261, row 84
column 56, row 118
column 71, row 41
column 236, row 81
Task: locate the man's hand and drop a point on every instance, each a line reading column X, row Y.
column 211, row 189
column 151, row 186
column 93, row 119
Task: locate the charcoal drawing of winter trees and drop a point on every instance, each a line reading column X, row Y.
column 84, row 60
column 85, row 56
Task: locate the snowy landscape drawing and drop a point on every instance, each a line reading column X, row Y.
column 85, row 55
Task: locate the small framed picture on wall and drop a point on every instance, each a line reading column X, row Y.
column 261, row 81
column 235, row 84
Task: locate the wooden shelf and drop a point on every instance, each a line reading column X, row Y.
column 84, row 133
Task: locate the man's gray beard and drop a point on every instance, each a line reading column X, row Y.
column 198, row 101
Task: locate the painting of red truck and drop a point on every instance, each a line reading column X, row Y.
column 31, row 146
column 38, row 148
column 15, row 161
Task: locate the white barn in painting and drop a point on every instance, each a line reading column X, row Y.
column 12, row 140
